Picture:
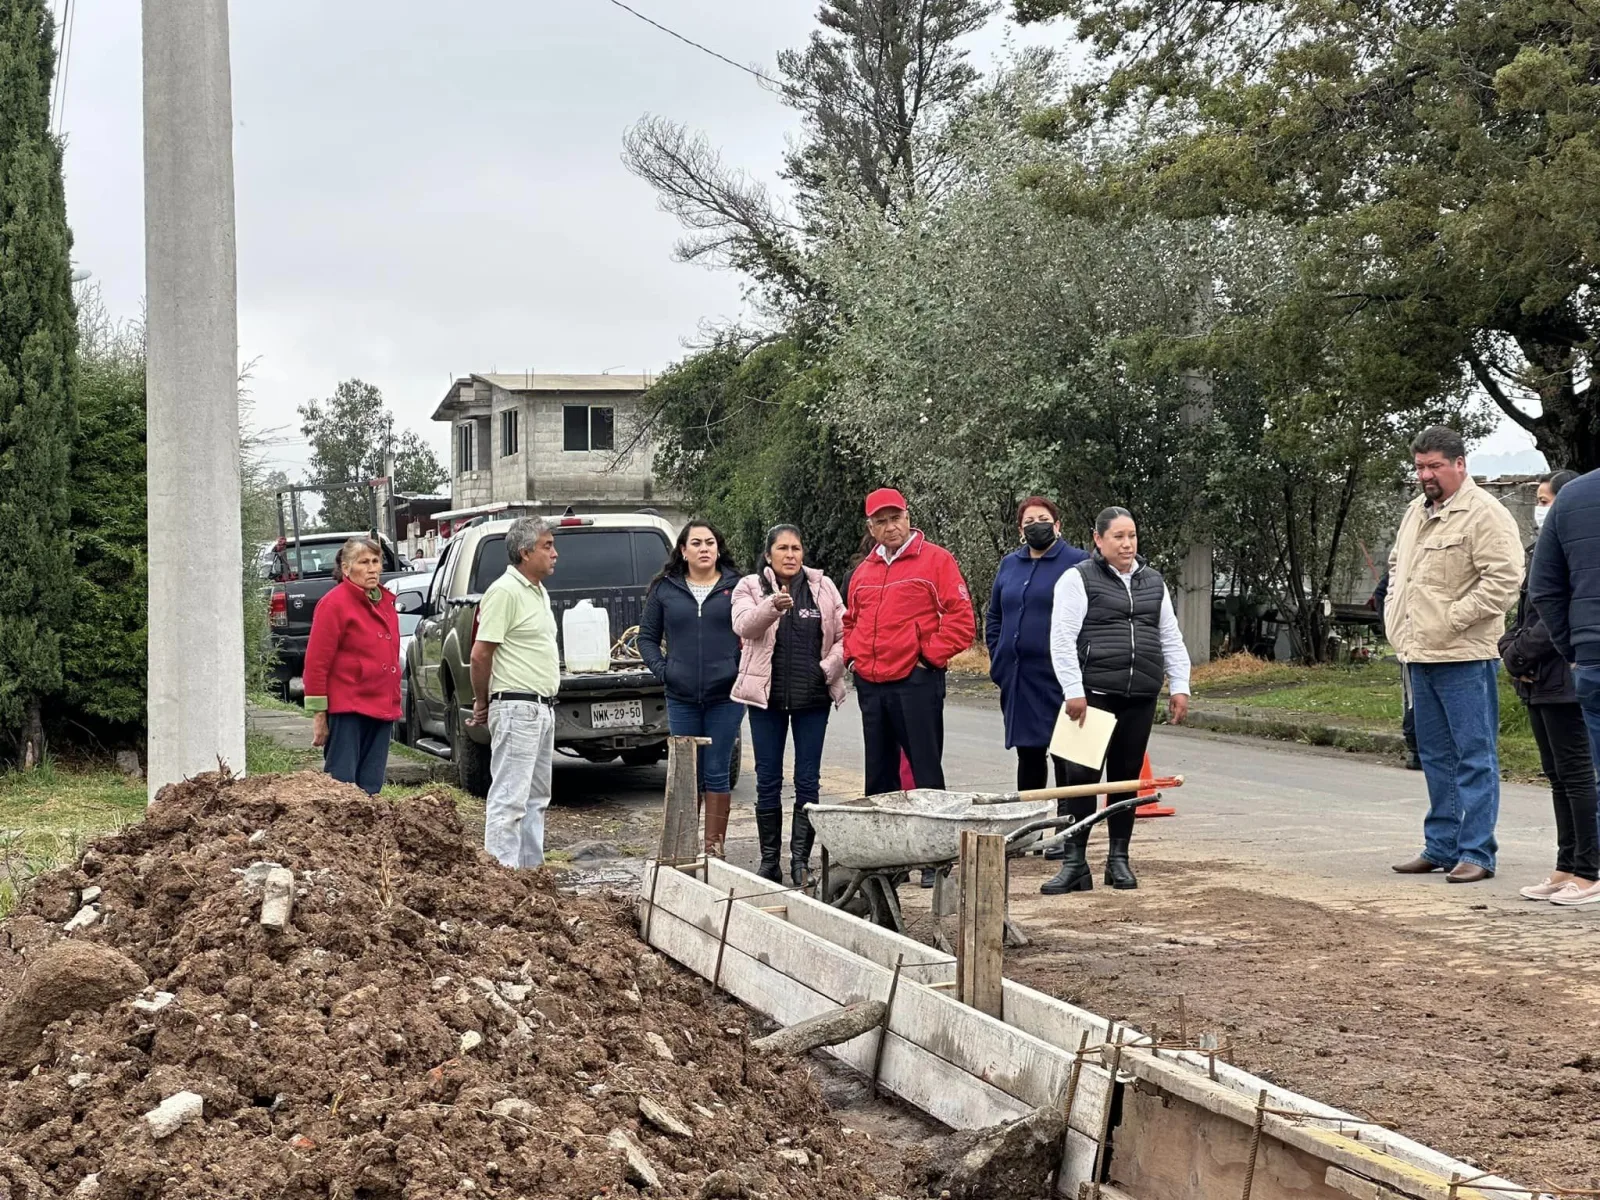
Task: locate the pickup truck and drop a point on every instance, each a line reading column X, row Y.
column 608, row 559
column 299, row 574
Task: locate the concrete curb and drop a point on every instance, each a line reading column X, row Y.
column 1304, row 728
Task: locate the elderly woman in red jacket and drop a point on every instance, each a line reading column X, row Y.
column 352, row 672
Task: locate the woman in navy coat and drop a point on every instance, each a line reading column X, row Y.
column 1017, row 630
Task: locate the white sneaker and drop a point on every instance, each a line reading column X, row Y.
column 1576, row 893
column 1542, row 891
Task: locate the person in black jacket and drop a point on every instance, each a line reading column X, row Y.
column 1543, row 680
column 1114, row 637
column 690, row 608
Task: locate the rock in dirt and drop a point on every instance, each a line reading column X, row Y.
column 82, row 919
column 277, row 898
column 176, row 1111
column 724, row 1185
column 337, row 1034
column 663, row 1119
column 128, row 763
column 637, row 1168
column 89, row 895
column 593, row 851
column 659, row 1045
column 69, row 977
column 153, row 1004
column 516, row 1110
column 1013, row 1161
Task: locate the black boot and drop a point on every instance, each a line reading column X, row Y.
column 801, row 836
column 1118, row 874
column 1074, row 875
column 769, row 828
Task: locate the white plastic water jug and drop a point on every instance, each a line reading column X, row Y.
column 586, row 636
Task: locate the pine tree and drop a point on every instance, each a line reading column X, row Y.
column 38, row 359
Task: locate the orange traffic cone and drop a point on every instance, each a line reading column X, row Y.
column 1147, row 779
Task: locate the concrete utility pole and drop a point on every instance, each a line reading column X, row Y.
column 1196, row 577
column 196, row 714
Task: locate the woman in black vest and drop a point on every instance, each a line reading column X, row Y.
column 1113, row 636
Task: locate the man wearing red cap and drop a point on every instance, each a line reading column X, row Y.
column 908, row 615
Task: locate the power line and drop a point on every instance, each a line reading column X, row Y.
column 691, row 42
column 68, row 20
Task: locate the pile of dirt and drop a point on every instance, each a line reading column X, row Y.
column 427, row 1024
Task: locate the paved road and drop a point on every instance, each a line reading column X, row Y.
column 1296, row 809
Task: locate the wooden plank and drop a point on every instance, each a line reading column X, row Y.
column 1061, row 1024
column 925, row 1080
column 1343, row 1181
column 1168, row 1147
column 876, row 944
column 1331, row 1147
column 980, row 945
column 680, row 818
column 1023, row 1067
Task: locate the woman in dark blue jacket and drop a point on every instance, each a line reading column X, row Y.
column 690, row 609
column 1017, row 630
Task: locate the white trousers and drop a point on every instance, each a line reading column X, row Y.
column 522, row 742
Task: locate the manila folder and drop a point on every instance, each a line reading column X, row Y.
column 1083, row 744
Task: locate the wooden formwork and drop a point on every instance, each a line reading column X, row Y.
column 1173, row 1125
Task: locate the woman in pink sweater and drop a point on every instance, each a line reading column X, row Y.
column 790, row 619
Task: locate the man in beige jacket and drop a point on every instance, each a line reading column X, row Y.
column 1454, row 572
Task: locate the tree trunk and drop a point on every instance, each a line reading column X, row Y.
column 30, row 743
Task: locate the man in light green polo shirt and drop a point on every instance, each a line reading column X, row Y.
column 516, row 671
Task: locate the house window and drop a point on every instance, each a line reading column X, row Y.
column 508, row 432
column 587, row 428
column 464, row 440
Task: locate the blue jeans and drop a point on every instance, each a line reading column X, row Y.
column 769, row 731
column 1458, row 727
column 718, row 720
column 358, row 750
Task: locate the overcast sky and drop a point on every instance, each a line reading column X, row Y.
column 426, row 190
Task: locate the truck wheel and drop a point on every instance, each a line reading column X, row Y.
column 414, row 732
column 471, row 759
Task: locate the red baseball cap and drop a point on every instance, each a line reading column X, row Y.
column 885, row 498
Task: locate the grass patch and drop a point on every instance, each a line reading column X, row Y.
column 263, row 756
column 48, row 814
column 267, row 700
column 1353, row 698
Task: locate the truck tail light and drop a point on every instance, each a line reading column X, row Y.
column 575, row 521
column 278, row 609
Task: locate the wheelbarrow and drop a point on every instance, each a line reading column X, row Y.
column 873, row 843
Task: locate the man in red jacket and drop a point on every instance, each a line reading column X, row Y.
column 908, row 615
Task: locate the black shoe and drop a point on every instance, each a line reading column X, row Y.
column 801, row 835
column 1413, row 763
column 769, row 828
column 1118, row 874
column 1074, row 875
column 927, row 877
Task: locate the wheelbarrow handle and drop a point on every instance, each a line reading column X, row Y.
column 1061, row 836
column 1085, row 789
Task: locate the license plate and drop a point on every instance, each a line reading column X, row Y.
column 616, row 714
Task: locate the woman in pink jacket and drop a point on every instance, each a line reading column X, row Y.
column 790, row 619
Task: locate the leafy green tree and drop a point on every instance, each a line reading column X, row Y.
column 103, row 649
column 744, row 445
column 350, row 434
column 1441, row 159
column 38, row 362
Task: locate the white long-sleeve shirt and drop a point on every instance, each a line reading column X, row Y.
column 1071, row 605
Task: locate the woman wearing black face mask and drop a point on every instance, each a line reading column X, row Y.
column 1017, row 630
